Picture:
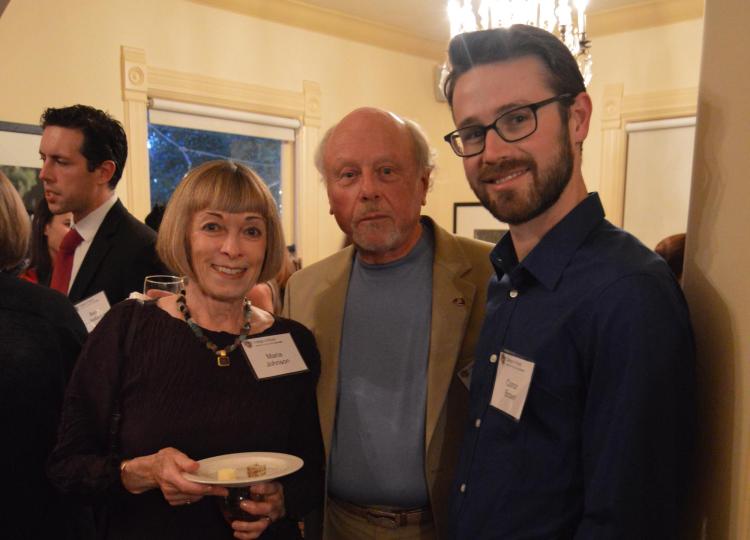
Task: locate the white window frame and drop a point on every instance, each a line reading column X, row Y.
column 141, row 82
column 619, row 110
column 219, row 119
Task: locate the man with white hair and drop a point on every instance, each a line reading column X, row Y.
column 396, row 317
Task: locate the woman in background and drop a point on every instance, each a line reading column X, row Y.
column 47, row 231
column 40, row 338
column 269, row 295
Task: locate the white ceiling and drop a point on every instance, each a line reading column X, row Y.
column 408, row 15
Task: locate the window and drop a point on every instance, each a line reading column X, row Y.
column 173, row 151
column 182, row 136
column 297, row 111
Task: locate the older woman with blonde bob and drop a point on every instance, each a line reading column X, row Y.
column 162, row 384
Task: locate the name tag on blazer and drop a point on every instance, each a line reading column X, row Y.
column 92, row 309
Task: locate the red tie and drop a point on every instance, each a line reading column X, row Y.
column 64, row 261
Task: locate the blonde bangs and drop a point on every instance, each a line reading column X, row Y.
column 227, row 187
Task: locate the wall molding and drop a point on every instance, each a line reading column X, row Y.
column 141, row 82
column 299, row 14
column 642, row 15
column 335, row 23
column 619, row 110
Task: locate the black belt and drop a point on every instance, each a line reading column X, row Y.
column 387, row 518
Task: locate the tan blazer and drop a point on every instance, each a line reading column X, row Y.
column 315, row 296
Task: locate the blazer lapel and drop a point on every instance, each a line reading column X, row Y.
column 452, row 299
column 99, row 249
column 329, row 317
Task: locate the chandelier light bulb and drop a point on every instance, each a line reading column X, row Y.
column 555, row 16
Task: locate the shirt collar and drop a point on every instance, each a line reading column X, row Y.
column 552, row 254
column 88, row 226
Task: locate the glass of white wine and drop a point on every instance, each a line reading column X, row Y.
column 162, row 285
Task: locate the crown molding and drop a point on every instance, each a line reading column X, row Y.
column 643, row 15
column 334, row 23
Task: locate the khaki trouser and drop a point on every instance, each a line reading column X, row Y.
column 343, row 525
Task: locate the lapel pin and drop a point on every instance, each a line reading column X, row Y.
column 459, row 301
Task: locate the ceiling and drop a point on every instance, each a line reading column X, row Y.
column 403, row 14
column 420, row 27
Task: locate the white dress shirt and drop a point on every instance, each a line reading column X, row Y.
column 87, row 228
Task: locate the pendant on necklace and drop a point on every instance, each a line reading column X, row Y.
column 222, row 360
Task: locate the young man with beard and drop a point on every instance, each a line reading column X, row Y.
column 581, row 407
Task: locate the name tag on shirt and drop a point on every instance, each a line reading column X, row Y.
column 512, row 382
column 273, row 356
column 92, row 309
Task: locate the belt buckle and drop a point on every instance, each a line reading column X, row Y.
column 387, row 522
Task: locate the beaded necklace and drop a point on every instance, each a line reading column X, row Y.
column 222, row 355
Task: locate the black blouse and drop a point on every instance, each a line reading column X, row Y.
column 172, row 394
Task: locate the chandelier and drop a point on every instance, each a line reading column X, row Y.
column 555, row 16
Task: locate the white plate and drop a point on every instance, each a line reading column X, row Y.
column 277, row 465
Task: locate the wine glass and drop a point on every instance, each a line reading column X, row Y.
column 162, row 285
column 230, row 505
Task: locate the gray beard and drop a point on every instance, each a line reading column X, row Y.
column 388, row 240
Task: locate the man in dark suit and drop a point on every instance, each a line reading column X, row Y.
column 83, row 152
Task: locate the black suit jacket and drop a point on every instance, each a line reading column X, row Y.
column 121, row 255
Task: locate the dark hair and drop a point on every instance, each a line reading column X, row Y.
column 672, row 250
column 39, row 258
column 103, row 136
column 154, row 217
column 500, row 44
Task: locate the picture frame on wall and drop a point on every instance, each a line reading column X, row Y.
column 472, row 220
column 19, row 159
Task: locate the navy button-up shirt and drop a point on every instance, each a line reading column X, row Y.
column 602, row 446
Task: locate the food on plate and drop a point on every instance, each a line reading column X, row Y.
column 226, row 474
column 256, row 469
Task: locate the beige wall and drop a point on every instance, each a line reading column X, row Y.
column 644, row 61
column 717, row 281
column 69, row 52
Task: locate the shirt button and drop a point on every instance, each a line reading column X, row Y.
column 493, row 359
column 513, row 293
column 477, row 422
column 462, row 489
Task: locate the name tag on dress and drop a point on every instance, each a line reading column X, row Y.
column 512, row 382
column 92, row 309
column 273, row 356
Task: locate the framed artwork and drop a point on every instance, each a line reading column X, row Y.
column 19, row 159
column 472, row 220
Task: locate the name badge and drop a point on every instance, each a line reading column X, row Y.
column 92, row 309
column 273, row 356
column 512, row 382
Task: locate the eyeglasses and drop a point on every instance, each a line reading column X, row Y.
column 511, row 126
